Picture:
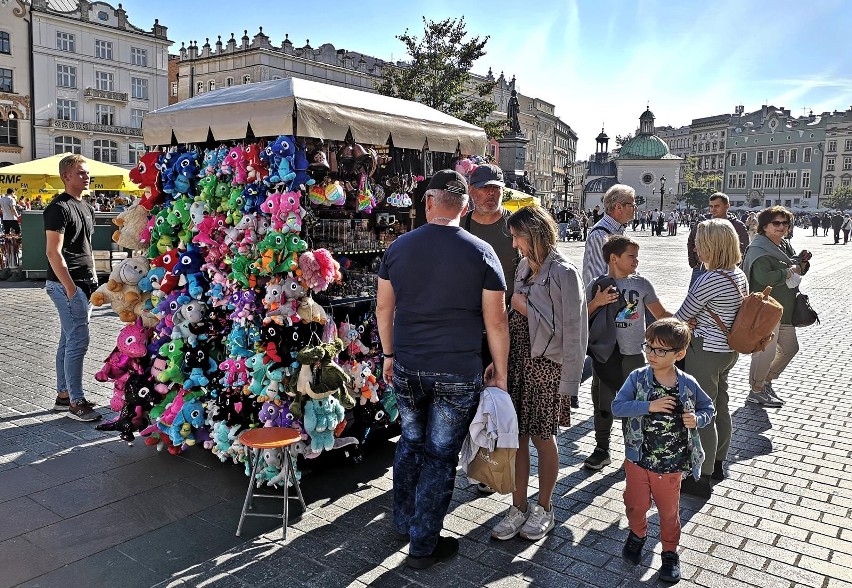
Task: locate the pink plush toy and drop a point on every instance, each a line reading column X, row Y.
column 319, row 269
column 208, row 230
column 236, row 373
column 132, row 344
column 235, row 164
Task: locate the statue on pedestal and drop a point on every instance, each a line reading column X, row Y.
column 513, row 111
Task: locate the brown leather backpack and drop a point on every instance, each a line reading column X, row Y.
column 755, row 323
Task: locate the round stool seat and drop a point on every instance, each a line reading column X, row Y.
column 270, row 437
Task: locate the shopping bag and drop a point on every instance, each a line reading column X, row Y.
column 494, row 468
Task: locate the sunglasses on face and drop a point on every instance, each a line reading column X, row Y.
column 780, row 223
column 658, row 351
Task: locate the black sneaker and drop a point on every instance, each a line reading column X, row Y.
column 670, row 570
column 698, row 488
column 597, row 460
column 82, row 411
column 401, row 537
column 446, row 548
column 718, row 470
column 632, row 552
column 62, row 404
column 485, row 489
column 575, row 402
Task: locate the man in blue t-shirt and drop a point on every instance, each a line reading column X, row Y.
column 439, row 288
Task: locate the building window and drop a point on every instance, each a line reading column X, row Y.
column 5, row 42
column 174, row 88
column 66, row 144
column 139, row 56
column 65, row 42
column 211, row 85
column 832, row 146
column 806, row 156
column 829, row 164
column 829, row 187
column 732, row 181
column 741, row 181
column 844, row 182
column 247, row 80
column 105, row 114
column 5, row 79
column 759, row 158
column 104, row 81
column 139, row 88
column 791, row 179
column 848, row 146
column 793, row 155
column 847, row 163
column 742, row 159
column 229, row 82
column 66, row 110
column 713, row 162
column 105, row 151
column 733, row 160
column 9, row 132
column 757, row 180
column 806, row 179
column 782, row 155
column 103, row 49
column 136, row 115
column 807, row 194
column 714, row 145
column 770, row 157
column 66, row 76
column 135, row 151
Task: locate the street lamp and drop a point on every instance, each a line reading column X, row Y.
column 566, row 169
column 780, row 177
column 662, row 191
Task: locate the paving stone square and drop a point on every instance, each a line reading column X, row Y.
column 79, row 507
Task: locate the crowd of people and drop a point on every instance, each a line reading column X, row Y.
column 495, row 303
column 448, row 329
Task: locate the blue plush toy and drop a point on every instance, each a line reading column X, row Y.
column 322, row 415
column 280, row 153
column 259, row 368
column 300, row 165
column 189, row 264
column 197, row 364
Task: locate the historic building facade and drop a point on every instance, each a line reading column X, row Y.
column 837, row 157
column 679, row 141
column 774, row 158
column 15, row 83
column 98, row 77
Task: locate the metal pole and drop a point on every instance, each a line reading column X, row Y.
column 662, row 191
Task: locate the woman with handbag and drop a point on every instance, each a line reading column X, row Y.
column 714, row 298
column 548, row 335
column 771, row 261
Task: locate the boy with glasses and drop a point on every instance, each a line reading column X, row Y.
column 663, row 407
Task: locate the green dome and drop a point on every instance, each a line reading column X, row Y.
column 644, row 147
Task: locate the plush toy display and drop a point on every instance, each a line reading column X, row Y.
column 231, row 322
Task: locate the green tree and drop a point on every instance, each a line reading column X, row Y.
column 620, row 140
column 698, row 187
column 438, row 74
column 840, row 199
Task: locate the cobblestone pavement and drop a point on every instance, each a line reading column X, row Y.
column 80, row 508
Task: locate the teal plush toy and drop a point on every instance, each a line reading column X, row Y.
column 322, row 415
column 258, row 366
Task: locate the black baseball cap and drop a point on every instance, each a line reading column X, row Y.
column 449, row 180
column 487, row 175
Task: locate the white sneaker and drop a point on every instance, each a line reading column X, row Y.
column 538, row 524
column 767, row 388
column 511, row 524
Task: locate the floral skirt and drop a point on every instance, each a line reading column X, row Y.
column 534, row 385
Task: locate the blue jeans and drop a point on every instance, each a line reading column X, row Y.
column 696, row 271
column 73, row 340
column 563, row 231
column 436, row 411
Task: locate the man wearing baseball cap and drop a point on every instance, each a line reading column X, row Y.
column 439, row 288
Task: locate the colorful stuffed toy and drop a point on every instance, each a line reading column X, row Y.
column 123, row 362
column 146, row 175
column 139, row 398
column 322, row 416
column 130, row 223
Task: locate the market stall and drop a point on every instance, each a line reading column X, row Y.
column 250, row 301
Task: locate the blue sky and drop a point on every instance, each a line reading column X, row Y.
column 598, row 61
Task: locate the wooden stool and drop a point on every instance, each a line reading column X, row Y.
column 256, row 440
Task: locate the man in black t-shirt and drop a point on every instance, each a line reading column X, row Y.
column 69, row 223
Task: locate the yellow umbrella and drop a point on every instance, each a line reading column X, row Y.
column 43, row 175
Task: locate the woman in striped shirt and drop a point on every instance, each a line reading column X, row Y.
column 709, row 360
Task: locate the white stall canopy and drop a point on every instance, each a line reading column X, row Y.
column 318, row 110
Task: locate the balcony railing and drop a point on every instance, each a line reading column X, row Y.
column 94, row 127
column 95, row 94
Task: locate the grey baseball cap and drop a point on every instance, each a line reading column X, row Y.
column 487, row 175
column 449, row 180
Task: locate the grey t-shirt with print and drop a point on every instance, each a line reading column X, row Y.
column 630, row 321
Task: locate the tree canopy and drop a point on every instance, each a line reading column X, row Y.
column 437, row 74
column 699, row 187
column 841, row 198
